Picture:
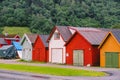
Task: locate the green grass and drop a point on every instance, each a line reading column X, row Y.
column 50, row 70
column 21, row 60
column 16, row 30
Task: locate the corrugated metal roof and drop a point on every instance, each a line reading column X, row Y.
column 116, row 33
column 65, row 32
column 94, row 37
column 13, row 38
column 2, row 41
column 17, row 45
column 32, row 37
column 91, row 29
column 44, row 39
column 86, row 28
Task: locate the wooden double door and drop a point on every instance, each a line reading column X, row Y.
column 78, row 57
column 112, row 59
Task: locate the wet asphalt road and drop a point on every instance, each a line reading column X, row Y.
column 13, row 75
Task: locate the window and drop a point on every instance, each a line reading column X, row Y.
column 56, row 35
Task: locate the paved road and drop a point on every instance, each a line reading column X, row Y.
column 12, row 75
column 114, row 74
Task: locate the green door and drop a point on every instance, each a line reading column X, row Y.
column 78, row 58
column 112, row 59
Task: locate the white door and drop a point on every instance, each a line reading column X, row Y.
column 27, row 54
column 78, row 58
column 56, row 55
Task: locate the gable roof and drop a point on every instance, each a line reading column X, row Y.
column 2, row 41
column 30, row 37
column 8, row 36
column 64, row 32
column 115, row 33
column 85, row 28
column 94, row 37
column 90, row 29
column 44, row 39
column 12, row 38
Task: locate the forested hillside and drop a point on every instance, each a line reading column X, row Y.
column 41, row 15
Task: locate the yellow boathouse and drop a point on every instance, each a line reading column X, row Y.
column 110, row 50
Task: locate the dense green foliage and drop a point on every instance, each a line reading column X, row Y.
column 41, row 15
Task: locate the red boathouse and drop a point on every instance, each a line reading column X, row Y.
column 82, row 48
column 40, row 49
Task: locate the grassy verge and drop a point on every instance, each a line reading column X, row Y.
column 16, row 30
column 50, row 70
column 38, row 62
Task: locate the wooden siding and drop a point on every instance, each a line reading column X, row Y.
column 8, row 41
column 1, row 45
column 56, row 44
column 47, row 54
column 110, row 45
column 19, row 54
column 78, row 42
column 26, row 47
column 40, row 51
column 95, row 56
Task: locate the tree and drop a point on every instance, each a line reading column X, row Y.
column 116, row 26
column 41, row 15
column 89, row 22
column 40, row 24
